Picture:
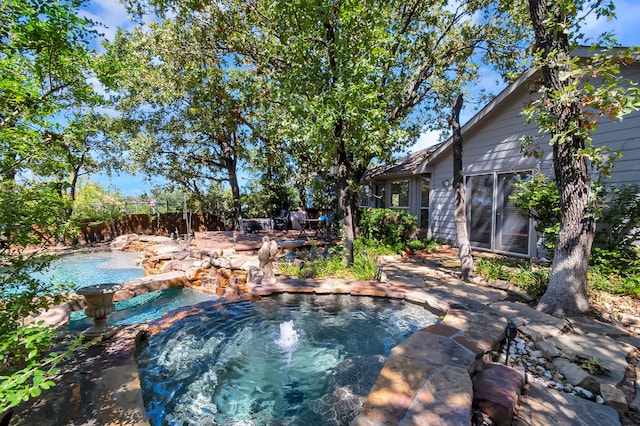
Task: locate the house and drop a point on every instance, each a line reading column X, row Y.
column 421, row 183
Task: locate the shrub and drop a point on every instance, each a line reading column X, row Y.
column 491, row 269
column 538, row 197
column 520, row 272
column 363, row 268
column 417, row 246
column 532, row 281
column 620, row 220
column 386, row 227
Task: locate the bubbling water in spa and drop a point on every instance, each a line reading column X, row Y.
column 285, row 360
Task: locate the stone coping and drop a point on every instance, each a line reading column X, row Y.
column 426, row 379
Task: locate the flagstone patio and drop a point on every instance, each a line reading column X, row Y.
column 427, row 379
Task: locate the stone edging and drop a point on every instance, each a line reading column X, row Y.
column 427, row 378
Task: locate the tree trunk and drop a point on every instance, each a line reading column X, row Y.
column 347, row 220
column 231, row 165
column 567, row 291
column 345, row 201
column 460, row 211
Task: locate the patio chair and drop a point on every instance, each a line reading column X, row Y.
column 281, row 222
column 328, row 217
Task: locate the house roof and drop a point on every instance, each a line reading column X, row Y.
column 410, row 165
column 480, row 115
column 404, row 165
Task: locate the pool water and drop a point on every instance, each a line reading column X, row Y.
column 83, row 269
column 143, row 308
column 282, row 360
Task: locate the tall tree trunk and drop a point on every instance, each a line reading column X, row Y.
column 346, row 208
column 231, row 166
column 567, row 290
column 460, row 211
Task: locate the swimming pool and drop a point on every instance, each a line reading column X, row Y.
column 83, row 269
column 143, row 308
column 282, row 360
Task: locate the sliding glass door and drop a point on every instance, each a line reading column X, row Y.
column 512, row 227
column 480, row 209
column 494, row 222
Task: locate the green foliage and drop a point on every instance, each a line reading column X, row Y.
column 529, row 278
column 186, row 108
column 27, row 365
column 615, row 272
column 627, row 285
column 538, row 197
column 334, row 266
column 592, row 366
column 316, row 82
column 386, row 227
column 491, row 269
column 266, row 199
column 94, row 202
column 533, row 281
column 45, row 67
column 417, row 246
column 615, row 260
column 621, row 220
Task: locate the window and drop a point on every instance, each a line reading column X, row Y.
column 366, row 198
column 424, row 203
column 381, row 201
column 400, row 194
column 480, row 209
column 494, row 222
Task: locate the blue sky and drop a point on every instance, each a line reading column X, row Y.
column 112, row 15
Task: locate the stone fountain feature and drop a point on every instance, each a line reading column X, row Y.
column 290, row 246
column 100, row 305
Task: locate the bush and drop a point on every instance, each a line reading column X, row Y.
column 530, row 279
column 417, row 246
column 538, row 197
column 386, row 227
column 364, row 264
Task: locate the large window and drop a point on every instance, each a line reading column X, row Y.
column 424, row 203
column 400, row 194
column 479, row 209
column 512, row 226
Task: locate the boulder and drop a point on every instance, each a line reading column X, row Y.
column 614, row 397
column 496, row 392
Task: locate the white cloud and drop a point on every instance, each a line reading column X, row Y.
column 110, row 14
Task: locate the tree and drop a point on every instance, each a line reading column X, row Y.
column 353, row 81
column 44, row 62
column 569, row 110
column 464, row 245
column 184, row 108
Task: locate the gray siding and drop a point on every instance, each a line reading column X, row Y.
column 493, row 145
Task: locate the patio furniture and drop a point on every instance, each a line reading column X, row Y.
column 281, row 222
column 309, row 228
column 264, row 223
column 328, row 218
column 295, row 219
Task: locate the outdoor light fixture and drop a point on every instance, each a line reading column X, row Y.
column 510, row 332
column 446, row 183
